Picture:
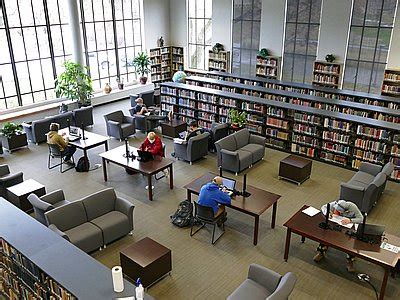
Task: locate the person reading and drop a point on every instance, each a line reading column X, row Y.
column 53, row 137
column 153, row 144
column 140, row 108
column 192, row 131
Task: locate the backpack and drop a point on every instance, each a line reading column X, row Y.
column 183, row 216
column 82, row 165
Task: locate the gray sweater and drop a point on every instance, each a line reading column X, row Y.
column 352, row 212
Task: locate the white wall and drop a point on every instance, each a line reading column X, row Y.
column 178, row 22
column 394, row 50
column 156, row 20
column 222, row 23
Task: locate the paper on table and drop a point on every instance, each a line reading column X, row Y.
column 390, row 247
column 338, row 219
column 311, row 211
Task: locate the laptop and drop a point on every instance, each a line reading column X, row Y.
column 372, row 232
column 74, row 131
column 229, row 184
column 145, row 155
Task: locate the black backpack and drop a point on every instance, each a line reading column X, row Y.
column 82, row 165
column 183, row 217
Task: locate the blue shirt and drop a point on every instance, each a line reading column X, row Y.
column 210, row 195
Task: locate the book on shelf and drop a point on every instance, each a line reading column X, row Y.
column 391, row 83
column 219, row 61
column 308, row 151
column 327, row 74
column 267, row 66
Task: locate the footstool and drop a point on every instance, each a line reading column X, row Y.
column 295, row 169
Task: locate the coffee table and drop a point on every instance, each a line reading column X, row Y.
column 173, row 128
column 255, row 205
column 18, row 194
column 148, row 168
column 147, row 260
column 296, row 169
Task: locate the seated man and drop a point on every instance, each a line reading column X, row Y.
column 53, row 137
column 192, row 131
column 140, row 108
column 152, row 144
column 351, row 214
column 211, row 195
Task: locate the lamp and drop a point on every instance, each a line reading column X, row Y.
column 366, row 278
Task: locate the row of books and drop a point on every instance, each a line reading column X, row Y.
column 308, row 151
column 392, row 76
column 168, row 99
column 327, row 68
column 337, row 124
column 332, row 157
column 306, row 118
column 206, row 116
column 336, row 137
column 186, row 112
column 340, row 148
column 157, row 77
column 272, row 132
column 277, row 123
column 305, row 140
column 266, row 71
column 216, row 65
column 275, row 143
column 186, row 102
column 373, row 132
column 376, row 146
column 253, row 107
column 324, row 78
column 187, row 93
column 220, row 55
column 267, row 61
column 207, row 107
column 373, row 157
column 178, row 51
column 391, row 88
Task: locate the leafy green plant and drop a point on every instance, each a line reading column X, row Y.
column 10, row 129
column 264, row 53
column 237, row 118
column 217, row 48
column 141, row 64
column 330, row 58
column 74, row 83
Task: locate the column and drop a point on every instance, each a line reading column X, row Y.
column 75, row 30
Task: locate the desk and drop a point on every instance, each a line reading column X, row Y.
column 255, row 205
column 307, row 227
column 148, row 168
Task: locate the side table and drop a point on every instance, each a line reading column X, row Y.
column 295, row 169
column 18, row 194
column 173, row 128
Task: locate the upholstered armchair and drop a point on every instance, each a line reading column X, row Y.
column 143, row 122
column 83, row 115
column 195, row 148
column 148, row 98
column 120, row 126
column 7, row 179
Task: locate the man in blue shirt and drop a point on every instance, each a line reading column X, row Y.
column 211, row 195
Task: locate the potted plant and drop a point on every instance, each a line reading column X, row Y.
column 330, row 58
column 120, row 82
column 75, row 84
column 141, row 64
column 12, row 137
column 236, row 118
column 264, row 53
column 217, row 48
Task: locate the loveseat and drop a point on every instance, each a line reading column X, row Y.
column 94, row 221
column 240, row 150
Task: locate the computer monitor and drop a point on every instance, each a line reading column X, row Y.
column 229, row 183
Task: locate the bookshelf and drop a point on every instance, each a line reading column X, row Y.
column 327, row 74
column 391, row 83
column 324, row 135
column 164, row 62
column 220, row 61
column 267, row 67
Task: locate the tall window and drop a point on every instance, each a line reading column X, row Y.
column 301, row 39
column 200, row 32
column 368, row 44
column 246, row 36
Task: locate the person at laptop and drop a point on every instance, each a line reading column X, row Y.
column 192, row 131
column 53, row 137
column 152, row 144
column 140, row 108
column 211, row 195
column 351, row 214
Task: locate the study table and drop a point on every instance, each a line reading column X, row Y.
column 307, row 227
column 148, row 168
column 255, row 205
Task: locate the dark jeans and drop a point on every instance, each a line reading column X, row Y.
column 68, row 152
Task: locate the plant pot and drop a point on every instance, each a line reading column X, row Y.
column 143, row 80
column 120, row 86
column 14, row 142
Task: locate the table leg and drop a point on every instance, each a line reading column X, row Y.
column 106, row 148
column 171, row 177
column 287, row 244
column 85, row 153
column 256, row 223
column 104, row 169
column 303, row 239
column 274, row 207
column 189, row 195
column 384, row 283
column 150, row 187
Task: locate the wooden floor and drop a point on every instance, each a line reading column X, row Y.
column 203, row 271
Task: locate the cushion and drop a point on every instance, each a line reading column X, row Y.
column 227, row 143
column 87, row 237
column 256, row 150
column 249, row 289
column 61, row 203
column 284, row 288
column 67, row 216
column 245, row 159
column 242, row 138
column 99, row 203
column 113, row 224
column 380, row 179
column 362, row 177
column 388, row 169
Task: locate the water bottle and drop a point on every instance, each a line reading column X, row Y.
column 139, row 290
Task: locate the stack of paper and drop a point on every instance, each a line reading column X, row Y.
column 338, row 219
column 310, row 211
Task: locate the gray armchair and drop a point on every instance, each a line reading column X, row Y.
column 148, row 98
column 219, row 131
column 36, row 130
column 195, row 148
column 143, row 122
column 43, row 204
column 83, row 115
column 263, row 283
column 120, row 126
column 7, row 179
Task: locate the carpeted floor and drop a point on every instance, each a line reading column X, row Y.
column 203, row 271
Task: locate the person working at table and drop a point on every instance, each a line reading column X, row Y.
column 53, row 137
column 152, row 144
column 351, row 214
column 193, row 131
column 211, row 195
column 140, row 108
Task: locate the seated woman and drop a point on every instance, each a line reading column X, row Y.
column 53, row 137
column 153, row 144
column 140, row 108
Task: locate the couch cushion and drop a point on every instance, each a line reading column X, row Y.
column 245, row 159
column 67, row 216
column 227, row 143
column 388, row 168
column 256, row 150
column 99, row 203
column 113, row 224
column 242, row 137
column 249, row 289
column 362, row 177
column 61, row 203
column 87, row 237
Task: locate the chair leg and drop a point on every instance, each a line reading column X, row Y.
column 212, row 239
column 191, row 229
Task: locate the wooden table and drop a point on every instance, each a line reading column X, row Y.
column 294, row 168
column 259, row 201
column 148, row 168
column 173, row 128
column 18, row 194
column 147, row 260
column 307, row 227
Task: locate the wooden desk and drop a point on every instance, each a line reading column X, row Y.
column 18, row 194
column 149, row 168
column 307, row 227
column 255, row 205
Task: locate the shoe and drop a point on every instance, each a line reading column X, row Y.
column 350, row 266
column 166, row 173
column 319, row 256
column 69, row 161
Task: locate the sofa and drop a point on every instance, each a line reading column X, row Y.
column 263, row 283
column 94, row 221
column 83, row 116
column 367, row 185
column 195, row 148
column 7, row 179
column 120, row 126
column 240, row 150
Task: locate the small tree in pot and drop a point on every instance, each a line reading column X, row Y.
column 141, row 64
column 236, row 118
column 75, row 84
column 12, row 137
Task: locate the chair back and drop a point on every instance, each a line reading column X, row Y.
column 219, row 131
column 284, row 288
column 203, row 213
column 54, row 150
column 116, row 116
column 148, row 98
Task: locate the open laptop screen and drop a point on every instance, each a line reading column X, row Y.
column 229, row 183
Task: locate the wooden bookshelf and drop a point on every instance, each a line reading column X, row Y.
column 325, row 135
column 327, row 74
column 267, row 67
column 391, row 83
column 165, row 61
column 220, row 61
